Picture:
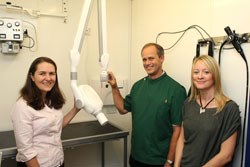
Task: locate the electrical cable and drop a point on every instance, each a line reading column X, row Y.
column 35, row 32
column 196, row 27
column 220, row 51
column 33, row 42
column 245, row 114
column 210, row 48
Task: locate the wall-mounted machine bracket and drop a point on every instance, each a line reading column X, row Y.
column 243, row 38
column 38, row 13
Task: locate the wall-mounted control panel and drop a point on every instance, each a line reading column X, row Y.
column 11, row 30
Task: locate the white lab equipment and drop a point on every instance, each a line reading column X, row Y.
column 92, row 103
column 85, row 96
column 11, row 35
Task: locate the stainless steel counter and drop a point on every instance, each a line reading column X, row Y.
column 75, row 134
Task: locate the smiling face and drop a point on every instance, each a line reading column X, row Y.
column 152, row 63
column 44, row 77
column 202, row 77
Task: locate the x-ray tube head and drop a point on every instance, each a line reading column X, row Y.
column 92, row 103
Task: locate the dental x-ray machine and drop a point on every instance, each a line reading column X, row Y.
column 85, row 96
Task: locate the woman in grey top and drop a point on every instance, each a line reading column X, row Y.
column 211, row 121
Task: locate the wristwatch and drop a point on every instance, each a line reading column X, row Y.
column 170, row 162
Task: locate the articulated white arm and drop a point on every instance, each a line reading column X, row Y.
column 74, row 60
column 104, row 67
column 85, row 96
column 75, row 52
column 104, row 56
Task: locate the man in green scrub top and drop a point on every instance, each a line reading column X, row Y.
column 155, row 103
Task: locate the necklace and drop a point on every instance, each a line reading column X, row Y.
column 203, row 109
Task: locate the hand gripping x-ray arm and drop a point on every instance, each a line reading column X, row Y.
column 85, row 96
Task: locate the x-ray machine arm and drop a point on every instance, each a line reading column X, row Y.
column 85, row 96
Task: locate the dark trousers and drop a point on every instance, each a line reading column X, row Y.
column 22, row 164
column 135, row 163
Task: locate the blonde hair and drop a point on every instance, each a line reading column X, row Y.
column 220, row 98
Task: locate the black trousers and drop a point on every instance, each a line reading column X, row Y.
column 135, row 163
column 22, row 164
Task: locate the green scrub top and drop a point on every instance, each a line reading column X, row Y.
column 155, row 105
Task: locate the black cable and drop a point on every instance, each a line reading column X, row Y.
column 210, row 48
column 33, row 43
column 197, row 50
column 236, row 42
column 246, row 97
column 220, row 50
column 245, row 114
